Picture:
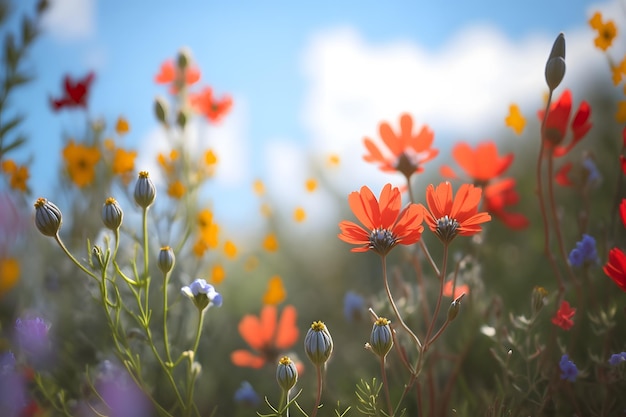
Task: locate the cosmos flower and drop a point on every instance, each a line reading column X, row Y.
column 615, row 268
column 80, row 161
column 607, row 31
column 209, row 106
column 481, row 164
column 498, row 197
column 385, row 224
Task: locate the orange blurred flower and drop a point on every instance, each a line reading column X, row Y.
column 176, row 189
column 481, row 165
column 448, row 216
column 9, row 274
column 169, row 73
column 606, row 31
column 449, row 290
column 18, row 175
column 385, row 224
column 498, row 197
column 213, row 109
column 122, row 126
column 408, row 151
column 515, row 120
column 557, row 120
column 275, row 293
column 267, row 336
column 81, row 161
column 123, row 161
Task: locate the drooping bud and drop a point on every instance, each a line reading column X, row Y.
column 166, row 259
column 112, row 214
column 48, row 217
column 381, row 339
column 286, row 373
column 455, row 306
column 145, row 191
column 555, row 66
column 318, row 344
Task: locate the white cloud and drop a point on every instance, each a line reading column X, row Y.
column 70, row 19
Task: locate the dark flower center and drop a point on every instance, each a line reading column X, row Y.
column 405, row 165
column 382, row 241
column 447, row 228
column 553, row 136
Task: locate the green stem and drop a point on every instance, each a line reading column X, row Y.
column 319, row 391
column 383, row 372
column 198, row 331
column 73, row 259
column 166, row 340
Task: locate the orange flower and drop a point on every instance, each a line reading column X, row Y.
column 123, row 161
column 515, row 120
column 267, row 336
column 606, row 31
column 449, row 216
column 498, row 197
column 450, row 290
column 275, row 293
column 81, row 161
column 169, row 73
column 385, row 225
column 482, row 164
column 19, row 175
column 408, row 151
column 9, row 274
column 213, row 109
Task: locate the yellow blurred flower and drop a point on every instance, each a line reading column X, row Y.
column 176, row 190
column 270, row 243
column 275, row 293
column 123, row 161
column 9, row 274
column 168, row 163
column 620, row 115
column 122, row 126
column 208, row 229
column 606, row 31
column 258, row 187
column 210, row 158
column 18, row 175
column 109, row 144
column 310, row 185
column 81, row 162
column 618, row 71
column 299, row 215
column 515, row 120
column 217, row 274
column 199, row 248
column 230, row 250
column 333, row 160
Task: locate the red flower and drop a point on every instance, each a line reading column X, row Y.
column 458, row 290
column 562, row 175
column 75, row 94
column 169, row 73
column 385, row 225
column 556, row 124
column 622, row 211
column 500, row 195
column 563, row 317
column 482, row 164
column 615, row 268
column 449, row 216
column 266, row 336
column 408, row 151
column 204, row 102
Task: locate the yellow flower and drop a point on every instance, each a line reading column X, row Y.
column 230, row 249
column 9, row 166
column 310, row 185
column 199, row 248
column 620, row 115
column 81, row 161
column 270, row 243
column 515, row 120
column 258, row 187
column 9, row 274
column 217, row 274
column 19, row 175
column 210, row 158
column 606, row 31
column 176, row 190
column 299, row 215
column 167, row 163
column 275, row 293
column 122, row 126
column 618, row 71
column 123, row 161
column 333, row 160
column 208, row 229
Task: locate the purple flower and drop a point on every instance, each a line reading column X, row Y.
column 246, row 395
column 617, row 358
column 584, row 253
column 353, row 307
column 32, row 338
column 202, row 294
column 121, row 396
column 568, row 369
column 12, row 387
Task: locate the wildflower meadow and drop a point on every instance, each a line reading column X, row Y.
column 483, row 279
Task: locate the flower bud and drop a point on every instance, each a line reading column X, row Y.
column 184, row 58
column 48, row 217
column 181, row 119
column 381, row 339
column 166, row 259
column 555, row 66
column 286, row 373
column 160, row 109
column 112, row 214
column 538, row 298
column 145, row 191
column 455, row 306
column 318, row 344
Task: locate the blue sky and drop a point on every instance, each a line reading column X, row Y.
column 307, row 78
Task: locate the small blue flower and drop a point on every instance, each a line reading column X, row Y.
column 202, row 294
column 353, row 307
column 584, row 253
column 568, row 369
column 593, row 174
column 246, row 395
column 617, row 358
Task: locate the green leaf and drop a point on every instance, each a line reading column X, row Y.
column 19, row 141
column 10, row 124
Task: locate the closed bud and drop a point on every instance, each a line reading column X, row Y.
column 145, row 191
column 48, row 217
column 381, row 339
column 183, row 59
column 318, row 344
column 181, row 119
column 455, row 306
column 555, row 66
column 538, row 299
column 166, row 259
column 160, row 109
column 112, row 214
column 286, row 373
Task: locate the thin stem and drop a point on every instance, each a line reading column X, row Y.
column 145, row 243
column 166, row 339
column 319, row 391
column 73, row 259
column 383, row 372
column 198, row 331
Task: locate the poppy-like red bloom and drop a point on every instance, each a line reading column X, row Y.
column 408, row 150
column 458, row 290
column 481, row 164
column 557, row 121
column 74, row 94
column 386, row 225
column 448, row 216
column 498, row 197
column 563, row 317
column 622, row 211
column 562, row 175
column 267, row 336
column 212, row 108
column 615, row 268
column 169, row 74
